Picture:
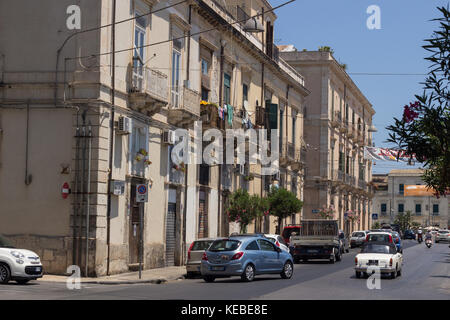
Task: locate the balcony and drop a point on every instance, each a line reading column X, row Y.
column 337, row 176
column 149, row 90
column 186, row 109
column 351, row 133
column 299, row 159
column 210, row 117
column 336, row 119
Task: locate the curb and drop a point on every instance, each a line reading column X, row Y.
column 118, row 282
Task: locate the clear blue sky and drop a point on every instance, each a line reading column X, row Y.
column 395, row 48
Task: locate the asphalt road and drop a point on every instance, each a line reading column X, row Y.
column 426, row 275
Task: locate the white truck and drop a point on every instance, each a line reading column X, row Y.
column 317, row 239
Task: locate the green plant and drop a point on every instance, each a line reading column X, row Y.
column 244, row 208
column 424, row 129
column 326, row 213
column 376, row 225
column 403, row 219
column 283, row 203
column 326, row 49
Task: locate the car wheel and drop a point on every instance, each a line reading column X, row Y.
column 347, row 250
column 209, row 278
column 366, row 275
column 288, row 270
column 399, row 273
column 394, row 274
column 339, row 257
column 190, row 275
column 5, row 274
column 249, row 273
column 22, row 281
column 358, row 274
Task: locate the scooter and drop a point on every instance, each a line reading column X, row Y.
column 419, row 238
column 428, row 243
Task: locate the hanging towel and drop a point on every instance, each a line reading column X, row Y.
column 230, row 114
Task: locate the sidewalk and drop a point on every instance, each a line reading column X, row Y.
column 157, row 276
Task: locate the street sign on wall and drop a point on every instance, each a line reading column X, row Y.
column 374, row 216
column 141, row 193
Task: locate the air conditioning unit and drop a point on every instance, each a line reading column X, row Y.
column 169, row 137
column 123, row 125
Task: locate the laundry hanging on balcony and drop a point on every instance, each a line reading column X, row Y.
column 373, row 153
column 230, row 114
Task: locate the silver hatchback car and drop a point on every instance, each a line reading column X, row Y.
column 245, row 256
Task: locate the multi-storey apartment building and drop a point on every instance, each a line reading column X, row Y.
column 390, row 199
column 338, row 124
column 94, row 113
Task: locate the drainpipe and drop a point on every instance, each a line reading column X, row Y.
column 28, row 177
column 88, row 191
column 111, row 138
column 183, row 249
column 77, row 191
column 222, row 56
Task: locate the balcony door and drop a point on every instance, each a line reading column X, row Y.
column 138, row 53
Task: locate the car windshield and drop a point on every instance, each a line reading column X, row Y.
column 201, row 245
column 5, row 243
column 224, row 245
column 379, row 237
column 377, row 248
column 288, row 231
column 443, row 231
column 358, row 234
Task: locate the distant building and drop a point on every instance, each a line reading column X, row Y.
column 389, row 199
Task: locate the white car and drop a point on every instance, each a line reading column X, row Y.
column 381, row 256
column 278, row 241
column 19, row 265
column 442, row 235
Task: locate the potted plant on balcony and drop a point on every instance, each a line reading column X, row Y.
column 326, row 213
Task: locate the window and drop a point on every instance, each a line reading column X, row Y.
column 224, row 245
column 266, row 245
column 341, row 161
column 138, row 52
column 252, row 246
column 401, row 207
column 204, row 67
column 418, row 209
column 294, row 120
column 435, row 209
column 176, row 57
column 227, row 88
column 244, row 94
column 138, row 142
column 204, row 174
column 205, row 94
column 281, row 130
column 401, row 188
column 383, row 208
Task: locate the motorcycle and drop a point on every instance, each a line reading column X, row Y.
column 428, row 243
column 419, row 238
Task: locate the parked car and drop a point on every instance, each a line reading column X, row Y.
column 442, row 235
column 287, row 232
column 278, row 241
column 195, row 253
column 397, row 241
column 381, row 255
column 409, row 234
column 245, row 257
column 357, row 238
column 344, row 242
column 19, row 265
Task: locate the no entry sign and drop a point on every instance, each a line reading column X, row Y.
column 141, row 193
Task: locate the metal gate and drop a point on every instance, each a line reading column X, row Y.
column 171, row 234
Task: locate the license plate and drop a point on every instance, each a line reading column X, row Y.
column 217, row 268
column 313, row 250
column 38, row 269
column 373, row 262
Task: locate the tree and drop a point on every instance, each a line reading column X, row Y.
column 376, row 225
column 283, row 203
column 403, row 220
column 424, row 130
column 244, row 208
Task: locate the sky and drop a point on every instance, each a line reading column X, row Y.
column 395, row 48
